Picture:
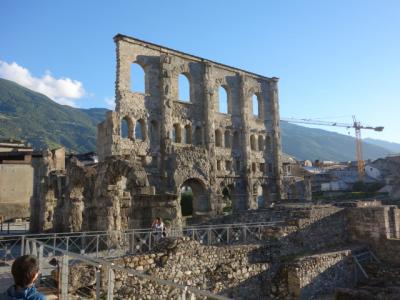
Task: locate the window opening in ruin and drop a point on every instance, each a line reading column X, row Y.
column 260, row 143
column 253, row 143
column 227, row 139
column 228, row 165
column 289, row 170
column 236, row 140
column 260, row 197
column 222, row 100
column 226, row 195
column 176, row 133
column 137, row 78
column 188, row 134
column 183, row 88
column 198, row 136
column 218, row 165
column 140, row 133
column 254, row 167
column 218, row 138
column 256, row 106
column 186, row 201
column 126, row 128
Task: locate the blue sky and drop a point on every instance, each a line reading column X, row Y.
column 334, row 59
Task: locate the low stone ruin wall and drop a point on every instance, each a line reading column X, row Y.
column 317, row 275
column 377, row 227
column 310, row 231
column 368, row 223
column 233, row 271
column 283, row 265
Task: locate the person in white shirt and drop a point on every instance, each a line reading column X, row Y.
column 158, row 229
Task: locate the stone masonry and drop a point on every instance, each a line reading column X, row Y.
column 190, row 143
column 154, row 146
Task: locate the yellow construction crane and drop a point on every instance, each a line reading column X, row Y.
column 357, row 127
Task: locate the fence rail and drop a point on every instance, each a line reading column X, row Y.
column 102, row 244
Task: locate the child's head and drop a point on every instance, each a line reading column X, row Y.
column 25, row 270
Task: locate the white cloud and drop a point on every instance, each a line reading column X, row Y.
column 110, row 102
column 62, row 90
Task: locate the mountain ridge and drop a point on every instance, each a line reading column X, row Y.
column 31, row 116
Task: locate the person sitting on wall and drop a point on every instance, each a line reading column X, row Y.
column 25, row 271
column 158, row 228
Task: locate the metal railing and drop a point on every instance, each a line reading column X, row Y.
column 116, row 243
column 59, row 267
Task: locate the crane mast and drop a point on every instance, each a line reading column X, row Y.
column 357, row 127
column 359, row 154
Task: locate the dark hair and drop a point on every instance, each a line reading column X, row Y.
column 24, row 269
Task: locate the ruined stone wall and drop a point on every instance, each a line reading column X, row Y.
column 377, row 227
column 239, row 272
column 368, row 223
column 312, row 277
column 190, row 143
column 48, row 182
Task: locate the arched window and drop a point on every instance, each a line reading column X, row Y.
column 154, row 133
column 222, row 100
column 188, row 135
column 227, row 139
column 138, row 78
column 253, row 143
column 140, row 132
column 218, row 138
column 260, row 143
column 183, row 88
column 198, row 136
column 176, row 133
column 256, row 106
column 126, row 128
column 236, row 140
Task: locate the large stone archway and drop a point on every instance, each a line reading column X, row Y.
column 199, row 202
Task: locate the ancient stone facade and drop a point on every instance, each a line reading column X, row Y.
column 191, row 143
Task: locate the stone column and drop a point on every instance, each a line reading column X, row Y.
column 122, row 72
column 209, row 130
column 166, row 104
column 275, row 137
column 245, row 112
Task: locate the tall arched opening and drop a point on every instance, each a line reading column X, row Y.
column 193, row 197
column 227, row 199
column 259, row 196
